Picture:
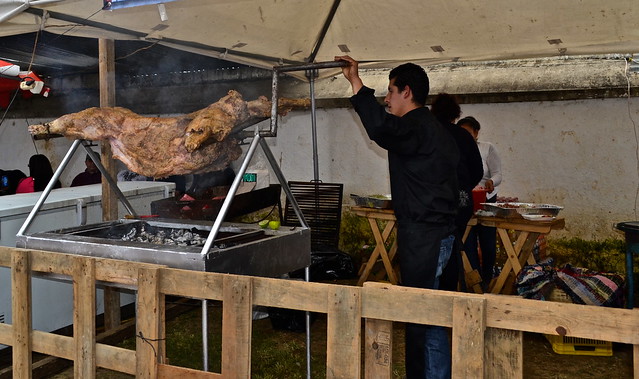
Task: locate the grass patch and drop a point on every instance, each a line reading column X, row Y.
column 607, row 255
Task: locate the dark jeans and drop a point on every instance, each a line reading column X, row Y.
column 419, row 249
column 486, row 236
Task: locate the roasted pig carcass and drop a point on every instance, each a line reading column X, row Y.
column 198, row 142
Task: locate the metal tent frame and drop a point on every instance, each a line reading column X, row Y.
column 257, row 139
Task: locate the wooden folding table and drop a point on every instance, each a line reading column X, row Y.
column 381, row 237
column 519, row 251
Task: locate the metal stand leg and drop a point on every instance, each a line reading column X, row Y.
column 49, row 187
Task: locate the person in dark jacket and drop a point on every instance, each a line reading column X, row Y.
column 91, row 175
column 469, row 173
column 422, row 158
column 9, row 180
column 40, row 173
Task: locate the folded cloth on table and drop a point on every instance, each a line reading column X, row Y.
column 585, row 286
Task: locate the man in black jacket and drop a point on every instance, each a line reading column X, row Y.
column 422, row 158
column 470, row 170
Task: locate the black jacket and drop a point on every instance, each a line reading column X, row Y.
column 422, row 158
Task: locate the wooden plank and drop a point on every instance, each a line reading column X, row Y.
column 396, row 303
column 6, row 334
column 21, row 313
column 378, row 349
column 106, row 65
column 549, row 317
column 5, row 256
column 119, row 271
column 469, row 323
column 114, row 316
column 197, row 285
column 343, row 333
column 148, row 330
column 49, row 262
column 53, row 344
column 116, row 358
column 503, row 354
column 306, row 296
column 172, row 372
column 237, row 326
column 84, row 317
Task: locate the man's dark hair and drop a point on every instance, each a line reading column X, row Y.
column 413, row 76
column 471, row 121
column 445, row 107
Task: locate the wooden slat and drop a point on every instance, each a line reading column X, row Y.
column 197, row 285
column 343, row 333
column 6, row 334
column 84, row 317
column 469, row 323
column 53, row 345
column 116, row 358
column 237, row 326
column 378, row 349
column 148, row 330
column 21, row 313
column 503, row 354
column 306, row 296
column 172, row 372
column 107, row 356
column 381, row 301
column 120, row 271
column 5, row 255
column 549, row 317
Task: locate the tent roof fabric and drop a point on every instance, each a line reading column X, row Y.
column 265, row 33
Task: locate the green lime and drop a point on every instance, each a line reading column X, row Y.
column 274, row 225
column 263, row 224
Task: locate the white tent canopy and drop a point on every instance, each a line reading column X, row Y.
column 265, row 33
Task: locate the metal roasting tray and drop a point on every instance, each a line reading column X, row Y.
column 377, row 201
column 513, row 209
column 244, row 249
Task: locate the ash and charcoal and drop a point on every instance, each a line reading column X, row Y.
column 175, row 237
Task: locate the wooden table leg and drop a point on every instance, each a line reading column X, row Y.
column 380, row 251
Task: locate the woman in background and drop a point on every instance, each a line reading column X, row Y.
column 485, row 235
column 40, row 173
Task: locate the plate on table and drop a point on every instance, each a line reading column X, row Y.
column 538, row 217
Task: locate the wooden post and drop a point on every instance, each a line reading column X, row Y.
column 469, row 324
column 106, row 61
column 635, row 361
column 237, row 326
column 378, row 351
column 148, row 333
column 21, row 310
column 344, row 333
column 84, row 335
column 504, row 354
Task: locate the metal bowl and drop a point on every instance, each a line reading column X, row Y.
column 516, row 209
column 380, row 201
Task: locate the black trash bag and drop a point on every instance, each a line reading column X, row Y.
column 328, row 264
column 289, row 319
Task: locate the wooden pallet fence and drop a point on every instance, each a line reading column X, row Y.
column 486, row 329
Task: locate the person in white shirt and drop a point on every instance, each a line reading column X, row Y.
column 486, row 236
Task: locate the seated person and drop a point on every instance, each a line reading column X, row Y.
column 91, row 175
column 40, row 173
column 9, row 180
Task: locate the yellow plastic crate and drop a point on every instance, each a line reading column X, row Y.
column 579, row 346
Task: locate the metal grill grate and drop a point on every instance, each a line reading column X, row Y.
column 321, row 205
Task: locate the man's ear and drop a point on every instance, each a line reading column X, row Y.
column 407, row 93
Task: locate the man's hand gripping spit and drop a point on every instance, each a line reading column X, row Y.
column 351, row 72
